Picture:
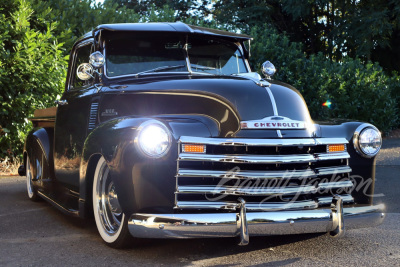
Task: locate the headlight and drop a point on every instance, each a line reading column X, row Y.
column 153, row 139
column 367, row 140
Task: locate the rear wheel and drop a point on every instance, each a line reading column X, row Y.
column 32, row 194
column 111, row 222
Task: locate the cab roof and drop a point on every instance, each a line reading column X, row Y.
column 166, row 27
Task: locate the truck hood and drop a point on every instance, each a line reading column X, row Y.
column 228, row 100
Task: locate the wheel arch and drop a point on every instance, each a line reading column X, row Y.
column 101, row 142
column 114, row 140
column 39, row 148
column 85, row 188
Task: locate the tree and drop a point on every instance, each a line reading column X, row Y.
column 79, row 17
column 32, row 71
column 366, row 29
column 357, row 91
column 183, row 9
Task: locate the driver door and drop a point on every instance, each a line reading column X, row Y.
column 71, row 127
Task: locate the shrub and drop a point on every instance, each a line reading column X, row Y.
column 32, row 72
column 357, row 91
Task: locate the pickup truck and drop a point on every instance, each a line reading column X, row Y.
column 164, row 131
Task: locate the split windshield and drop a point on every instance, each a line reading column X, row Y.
column 158, row 53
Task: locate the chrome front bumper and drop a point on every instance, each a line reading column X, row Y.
column 244, row 224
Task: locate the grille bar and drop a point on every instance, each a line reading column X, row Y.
column 256, row 159
column 335, row 185
column 332, row 155
column 250, row 206
column 240, row 191
column 265, row 206
column 263, row 142
column 290, row 174
column 263, row 159
column 323, row 201
column 267, row 191
column 248, row 174
column 332, row 170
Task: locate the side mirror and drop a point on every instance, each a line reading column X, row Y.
column 97, row 60
column 268, row 69
column 85, row 71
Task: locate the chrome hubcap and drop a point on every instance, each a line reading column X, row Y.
column 108, row 207
column 112, row 200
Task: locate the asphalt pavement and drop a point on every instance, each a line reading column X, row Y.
column 36, row 234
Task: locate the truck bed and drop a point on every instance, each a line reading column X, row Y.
column 44, row 117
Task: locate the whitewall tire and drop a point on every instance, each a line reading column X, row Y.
column 32, row 194
column 111, row 222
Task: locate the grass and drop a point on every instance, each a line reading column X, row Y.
column 9, row 166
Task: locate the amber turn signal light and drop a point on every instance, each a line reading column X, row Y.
column 193, row 148
column 336, row 148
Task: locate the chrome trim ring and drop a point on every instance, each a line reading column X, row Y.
column 356, row 143
column 107, row 209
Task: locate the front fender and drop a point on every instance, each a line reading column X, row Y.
column 39, row 148
column 142, row 184
column 363, row 169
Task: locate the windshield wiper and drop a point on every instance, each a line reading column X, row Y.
column 160, row 68
column 195, row 66
column 202, row 69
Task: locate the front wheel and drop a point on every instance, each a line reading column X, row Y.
column 111, row 222
column 32, row 194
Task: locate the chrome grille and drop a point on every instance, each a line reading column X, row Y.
column 270, row 174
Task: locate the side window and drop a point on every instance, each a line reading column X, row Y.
column 81, row 56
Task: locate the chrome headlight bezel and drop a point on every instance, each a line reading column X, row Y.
column 148, row 132
column 364, row 129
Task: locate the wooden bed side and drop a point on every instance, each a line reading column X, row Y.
column 46, row 112
column 44, row 117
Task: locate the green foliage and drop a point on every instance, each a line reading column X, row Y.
column 32, row 72
column 311, row 42
column 181, row 10
column 358, row 91
column 368, row 30
column 79, row 17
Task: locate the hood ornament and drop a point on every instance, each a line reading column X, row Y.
column 255, row 77
column 277, row 118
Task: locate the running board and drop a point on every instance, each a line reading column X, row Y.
column 72, row 212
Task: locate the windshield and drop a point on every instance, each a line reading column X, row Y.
column 157, row 53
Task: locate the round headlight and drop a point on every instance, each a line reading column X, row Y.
column 367, row 140
column 153, row 139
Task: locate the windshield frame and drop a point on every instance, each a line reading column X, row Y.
column 187, row 61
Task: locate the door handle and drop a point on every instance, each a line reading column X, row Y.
column 61, row 102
